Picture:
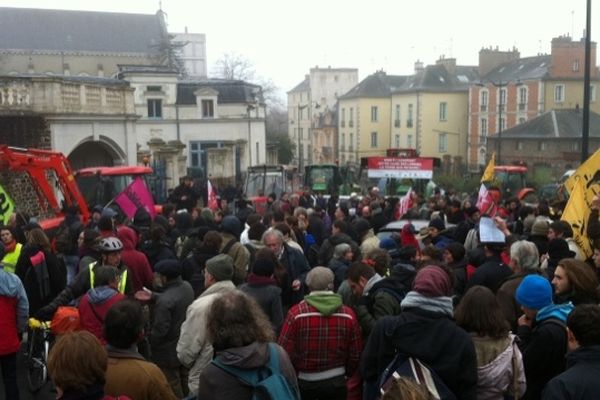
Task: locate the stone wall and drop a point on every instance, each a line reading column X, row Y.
column 27, row 131
column 23, row 193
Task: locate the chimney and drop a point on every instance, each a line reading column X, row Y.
column 419, row 66
column 491, row 58
column 448, row 63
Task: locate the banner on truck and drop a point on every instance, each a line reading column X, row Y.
column 6, row 206
column 400, row 168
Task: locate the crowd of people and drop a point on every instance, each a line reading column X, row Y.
column 208, row 303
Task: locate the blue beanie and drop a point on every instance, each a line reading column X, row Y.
column 388, row 244
column 534, row 292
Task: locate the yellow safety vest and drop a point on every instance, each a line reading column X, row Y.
column 122, row 278
column 10, row 259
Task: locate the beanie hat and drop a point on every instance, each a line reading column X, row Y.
column 263, row 267
column 388, row 244
column 540, row 227
column 437, row 223
column 457, row 251
column 220, row 267
column 534, row 292
column 319, row 278
column 432, row 281
column 231, row 225
column 169, row 268
column 559, row 248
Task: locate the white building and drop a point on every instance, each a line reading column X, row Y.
column 193, row 53
column 317, row 92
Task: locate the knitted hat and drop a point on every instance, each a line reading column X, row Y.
column 263, row 267
column 388, row 244
column 534, row 292
column 169, row 268
column 432, row 281
column 231, row 225
column 437, row 223
column 559, row 248
column 319, row 278
column 220, row 267
column 540, row 227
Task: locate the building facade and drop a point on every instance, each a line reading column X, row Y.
column 192, row 52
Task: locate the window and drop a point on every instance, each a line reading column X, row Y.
column 522, row 99
column 409, row 120
column 409, row 141
column 351, row 122
column 301, row 133
column 502, row 122
column 373, row 139
column 208, row 110
column 559, row 93
column 343, row 142
column 351, row 142
column 483, row 129
column 343, row 123
column 397, row 143
column 575, row 66
column 501, row 99
column 154, row 108
column 153, row 88
column 592, row 93
column 374, row 116
column 397, row 119
column 542, row 146
column 519, row 145
column 442, row 143
column 443, row 111
column 483, row 101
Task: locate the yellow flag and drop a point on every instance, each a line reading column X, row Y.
column 488, row 174
column 577, row 214
column 6, row 206
column 587, row 174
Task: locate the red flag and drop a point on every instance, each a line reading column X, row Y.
column 485, row 202
column 136, row 195
column 212, row 197
column 405, row 204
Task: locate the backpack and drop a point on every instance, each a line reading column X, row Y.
column 267, row 381
column 65, row 319
column 413, row 368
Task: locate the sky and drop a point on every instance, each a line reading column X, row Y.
column 284, row 39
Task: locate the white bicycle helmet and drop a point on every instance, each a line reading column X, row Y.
column 110, row 245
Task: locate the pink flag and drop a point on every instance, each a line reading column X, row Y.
column 485, row 202
column 405, row 204
column 134, row 196
column 212, row 197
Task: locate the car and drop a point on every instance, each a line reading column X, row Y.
column 396, row 227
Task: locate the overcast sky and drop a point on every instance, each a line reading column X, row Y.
column 284, row 39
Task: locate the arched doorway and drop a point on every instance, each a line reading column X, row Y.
column 92, row 154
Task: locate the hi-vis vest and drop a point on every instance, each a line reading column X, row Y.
column 122, row 278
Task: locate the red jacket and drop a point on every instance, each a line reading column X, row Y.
column 94, row 306
column 136, row 261
column 14, row 309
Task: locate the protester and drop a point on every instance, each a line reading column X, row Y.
column 339, row 235
column 437, row 231
column 89, row 239
column 77, row 365
column 94, row 305
column 14, row 309
column 136, row 261
column 339, row 263
column 580, row 380
column 368, row 240
column 425, row 330
column 575, row 281
column 231, row 229
column 454, row 257
column 562, row 230
column 158, row 246
column 542, row 333
column 322, row 338
column 558, row 249
column 193, row 266
column 242, row 338
column 185, row 196
column 12, row 248
column 65, row 240
column 193, row 348
column 128, row 373
column 493, row 271
column 500, row 370
column 169, row 309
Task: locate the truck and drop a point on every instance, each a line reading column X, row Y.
column 331, row 178
column 512, row 182
column 262, row 180
column 40, row 184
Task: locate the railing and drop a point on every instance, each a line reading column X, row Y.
column 15, row 95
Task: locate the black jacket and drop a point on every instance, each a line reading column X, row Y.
column 193, row 267
column 543, row 349
column 168, row 313
column 328, row 246
column 296, row 267
column 431, row 337
column 580, row 380
column 490, row 274
column 339, row 268
column 268, row 297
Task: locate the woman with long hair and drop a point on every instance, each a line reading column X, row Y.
column 499, row 361
column 243, row 339
column 43, row 275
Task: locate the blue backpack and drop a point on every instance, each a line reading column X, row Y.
column 267, row 381
column 411, row 367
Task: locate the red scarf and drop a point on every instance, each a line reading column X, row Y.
column 9, row 248
column 261, row 280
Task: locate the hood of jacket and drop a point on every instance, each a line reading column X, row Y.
column 128, row 237
column 557, row 311
column 100, row 294
column 251, row 356
column 326, row 302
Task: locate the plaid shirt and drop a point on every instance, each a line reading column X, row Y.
column 316, row 342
